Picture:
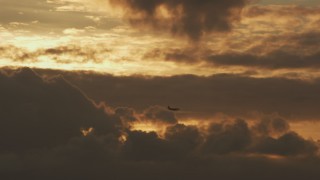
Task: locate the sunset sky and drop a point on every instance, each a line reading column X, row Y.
column 85, row 86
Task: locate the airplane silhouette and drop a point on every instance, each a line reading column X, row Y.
column 173, row 109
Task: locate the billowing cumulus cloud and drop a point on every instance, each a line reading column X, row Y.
column 238, row 137
column 288, row 144
column 183, row 17
column 184, row 139
column 41, row 122
column 272, row 126
column 225, row 138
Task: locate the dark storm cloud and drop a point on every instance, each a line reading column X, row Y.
column 288, row 144
column 38, row 114
column 205, row 96
column 238, row 137
column 185, row 140
column 271, row 125
column 224, row 138
column 180, row 142
column 184, row 17
column 40, row 139
column 143, row 146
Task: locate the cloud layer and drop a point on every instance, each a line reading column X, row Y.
column 41, row 124
column 233, row 94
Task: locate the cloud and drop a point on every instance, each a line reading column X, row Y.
column 272, row 126
column 16, row 54
column 41, row 139
column 288, row 144
column 284, row 51
column 186, row 55
column 225, row 138
column 280, row 10
column 238, row 137
column 231, row 94
column 80, row 54
column 126, row 114
column 73, row 31
column 185, row 140
column 183, row 17
column 60, row 54
column 143, row 146
column 268, row 37
column 46, row 13
column 273, row 60
column 289, row 51
column 159, row 114
column 153, row 114
column 37, row 113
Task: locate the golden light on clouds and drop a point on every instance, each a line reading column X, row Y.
column 86, row 132
column 150, row 127
column 136, row 51
column 308, row 129
column 87, row 89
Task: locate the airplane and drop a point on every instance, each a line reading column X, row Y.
column 173, row 109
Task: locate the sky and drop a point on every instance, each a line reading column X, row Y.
column 85, row 86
